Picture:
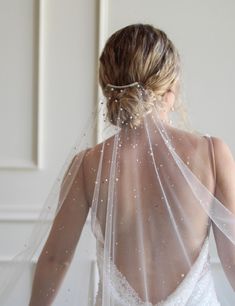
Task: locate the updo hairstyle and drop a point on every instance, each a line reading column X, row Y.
column 137, row 53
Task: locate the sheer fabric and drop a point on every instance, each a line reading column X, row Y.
column 153, row 195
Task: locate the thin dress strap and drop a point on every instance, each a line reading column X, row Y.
column 212, row 155
column 212, row 152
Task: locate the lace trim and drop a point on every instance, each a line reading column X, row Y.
column 126, row 294
column 122, row 290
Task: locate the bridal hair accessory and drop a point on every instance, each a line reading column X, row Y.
column 142, row 95
column 123, row 86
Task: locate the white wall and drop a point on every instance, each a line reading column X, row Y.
column 48, row 88
column 48, row 85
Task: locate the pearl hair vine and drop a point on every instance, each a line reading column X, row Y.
column 123, row 86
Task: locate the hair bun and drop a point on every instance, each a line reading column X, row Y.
column 127, row 104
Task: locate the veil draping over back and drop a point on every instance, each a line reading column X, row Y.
column 154, row 196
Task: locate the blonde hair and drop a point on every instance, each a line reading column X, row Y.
column 137, row 53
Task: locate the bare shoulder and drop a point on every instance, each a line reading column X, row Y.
column 189, row 142
column 93, row 154
column 224, row 162
column 221, row 148
column 225, row 173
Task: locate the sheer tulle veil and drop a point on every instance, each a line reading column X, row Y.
column 155, row 192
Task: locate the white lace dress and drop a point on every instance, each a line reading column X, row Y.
column 197, row 288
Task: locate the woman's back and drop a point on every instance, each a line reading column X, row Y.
column 158, row 226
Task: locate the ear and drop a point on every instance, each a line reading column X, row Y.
column 171, row 94
column 169, row 99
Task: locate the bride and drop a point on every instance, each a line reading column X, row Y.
column 155, row 188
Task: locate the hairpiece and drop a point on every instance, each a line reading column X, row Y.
column 123, row 86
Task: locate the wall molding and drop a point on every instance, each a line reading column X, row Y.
column 41, row 48
column 35, row 163
column 5, row 260
column 102, row 36
column 15, row 213
column 24, row 213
